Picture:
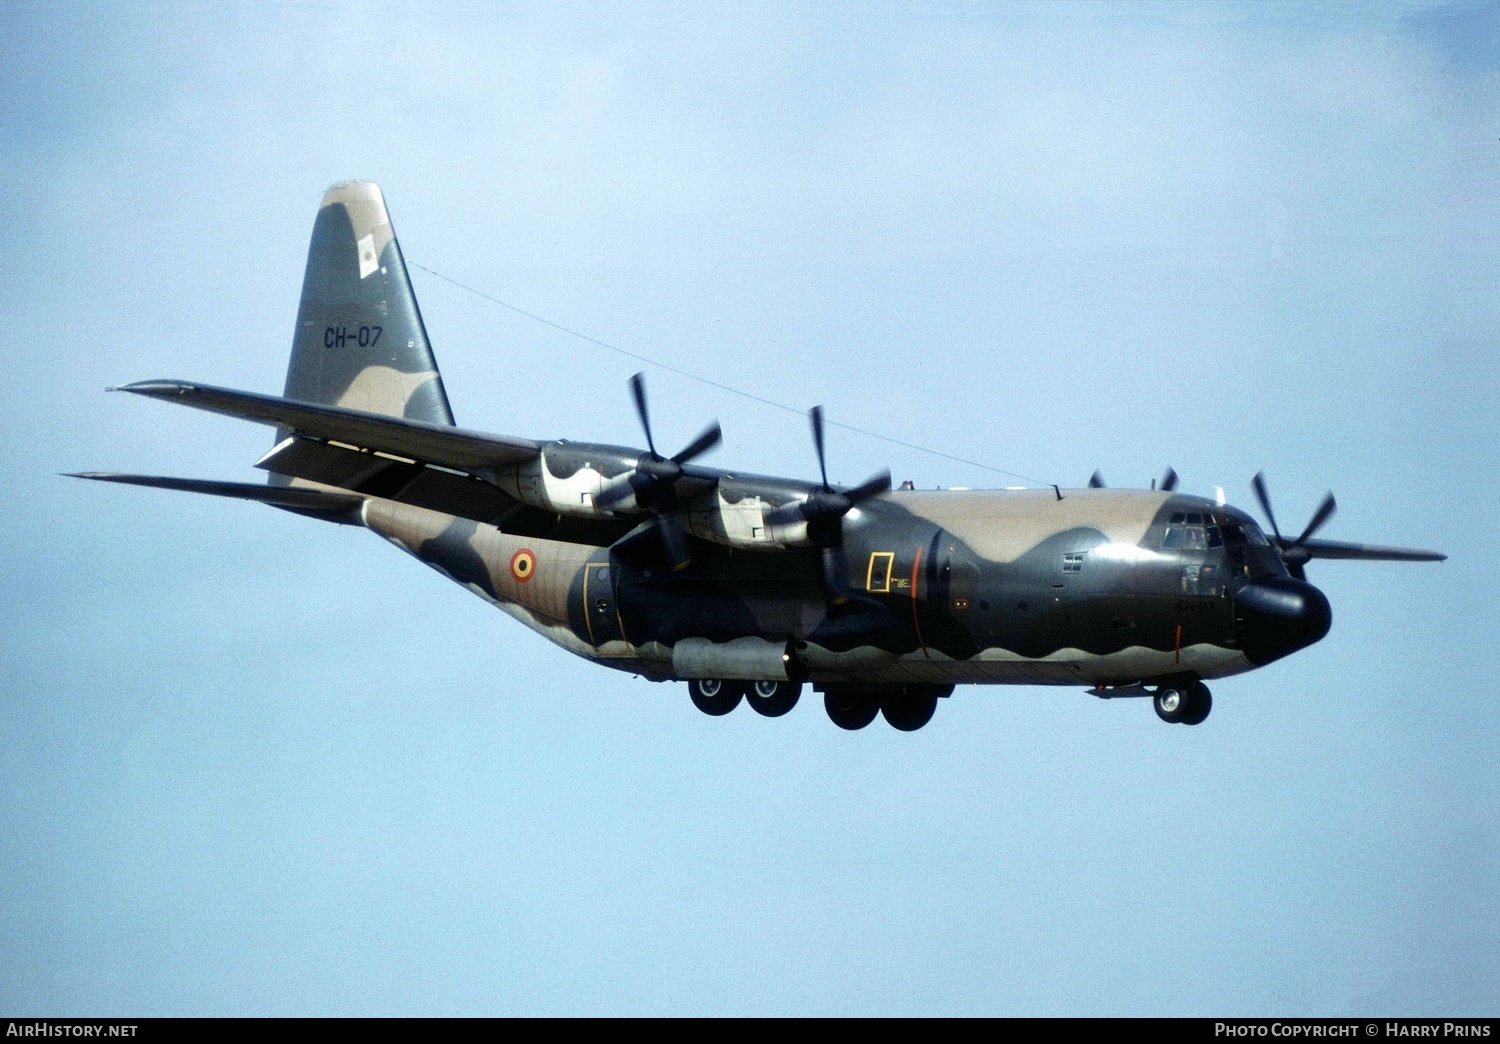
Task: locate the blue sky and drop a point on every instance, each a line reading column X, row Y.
column 258, row 765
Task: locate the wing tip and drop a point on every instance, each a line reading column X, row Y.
column 157, row 387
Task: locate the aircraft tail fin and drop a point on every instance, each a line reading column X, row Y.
column 360, row 342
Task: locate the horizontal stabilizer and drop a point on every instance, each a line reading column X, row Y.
column 1339, row 549
column 417, row 440
column 335, row 507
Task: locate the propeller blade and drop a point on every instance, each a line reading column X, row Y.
column 674, row 541
column 711, row 437
column 1169, row 481
column 653, row 479
column 815, row 415
column 1259, row 483
column 786, row 515
column 833, row 573
column 823, row 509
column 1323, row 514
column 638, row 389
column 614, row 494
column 871, row 487
column 1096, row 481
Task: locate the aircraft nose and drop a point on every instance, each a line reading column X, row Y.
column 1277, row 615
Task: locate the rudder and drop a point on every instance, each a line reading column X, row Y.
column 360, row 342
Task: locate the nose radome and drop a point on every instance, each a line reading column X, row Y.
column 1277, row 616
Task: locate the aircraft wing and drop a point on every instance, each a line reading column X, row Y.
column 417, row 440
column 1340, row 549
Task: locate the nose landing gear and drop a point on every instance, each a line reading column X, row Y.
column 1186, row 704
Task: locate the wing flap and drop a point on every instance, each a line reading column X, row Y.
column 408, row 482
column 417, row 440
column 404, row 481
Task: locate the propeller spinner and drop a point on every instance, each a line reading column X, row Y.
column 653, row 480
column 823, row 509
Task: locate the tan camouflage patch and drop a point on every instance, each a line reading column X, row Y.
column 381, row 389
column 543, row 591
column 1001, row 527
column 372, row 223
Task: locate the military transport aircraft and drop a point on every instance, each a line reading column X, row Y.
column 747, row 586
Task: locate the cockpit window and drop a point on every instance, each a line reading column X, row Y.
column 1193, row 538
column 1202, row 530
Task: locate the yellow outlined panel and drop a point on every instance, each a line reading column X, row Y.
column 878, row 575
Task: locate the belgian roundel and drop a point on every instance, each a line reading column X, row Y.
column 522, row 565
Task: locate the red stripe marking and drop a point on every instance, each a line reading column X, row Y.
column 915, row 566
column 1178, row 653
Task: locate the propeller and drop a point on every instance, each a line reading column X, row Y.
column 1295, row 553
column 1168, row 481
column 653, row 480
column 823, row 509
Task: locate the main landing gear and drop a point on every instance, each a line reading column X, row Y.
column 1183, row 704
column 905, row 707
column 770, row 698
column 712, row 696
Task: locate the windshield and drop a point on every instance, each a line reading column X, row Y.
column 1202, row 530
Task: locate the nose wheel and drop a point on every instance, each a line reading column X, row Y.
column 1183, row 704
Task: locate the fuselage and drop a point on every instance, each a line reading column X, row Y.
column 1098, row 587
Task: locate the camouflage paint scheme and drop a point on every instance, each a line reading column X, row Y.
column 1110, row 588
